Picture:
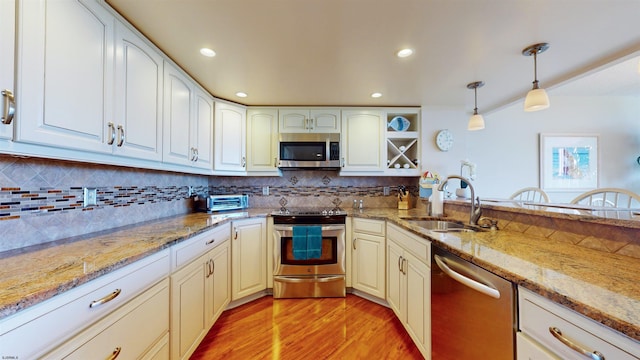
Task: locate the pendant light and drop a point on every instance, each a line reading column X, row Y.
column 537, row 98
column 476, row 122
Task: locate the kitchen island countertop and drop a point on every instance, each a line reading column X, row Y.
column 604, row 287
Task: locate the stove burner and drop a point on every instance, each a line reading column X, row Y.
column 309, row 216
column 309, row 212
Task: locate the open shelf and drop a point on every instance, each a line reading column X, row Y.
column 403, row 147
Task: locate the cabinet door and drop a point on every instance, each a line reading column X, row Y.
column 230, row 136
column 362, row 141
column 218, row 283
column 202, row 131
column 418, row 302
column 262, row 144
column 70, row 44
column 7, row 44
column 395, row 279
column 293, row 121
column 138, row 102
column 188, row 298
column 178, row 92
column 368, row 263
column 249, row 257
column 325, row 120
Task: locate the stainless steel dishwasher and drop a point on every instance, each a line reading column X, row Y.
column 472, row 311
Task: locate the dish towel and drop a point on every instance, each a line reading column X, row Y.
column 314, row 242
column 299, row 243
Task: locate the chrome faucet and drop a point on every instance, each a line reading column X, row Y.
column 475, row 212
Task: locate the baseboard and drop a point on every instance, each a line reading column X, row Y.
column 366, row 296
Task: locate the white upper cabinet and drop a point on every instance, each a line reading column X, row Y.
column 138, row 97
column 262, row 142
column 7, row 36
column 70, row 45
column 309, row 120
column 202, row 131
column 188, row 121
column 363, row 137
column 178, row 92
column 230, row 139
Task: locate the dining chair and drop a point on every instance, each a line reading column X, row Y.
column 532, row 194
column 609, row 197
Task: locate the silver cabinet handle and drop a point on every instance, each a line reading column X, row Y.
column 105, row 299
column 275, row 162
column 236, row 235
column 404, row 266
column 595, row 355
column 197, row 154
column 114, row 355
column 354, row 242
column 244, row 161
column 343, row 162
column 306, row 123
column 475, row 285
column 9, row 107
column 193, row 154
column 400, row 263
column 210, row 242
column 311, row 121
column 112, row 133
column 120, row 136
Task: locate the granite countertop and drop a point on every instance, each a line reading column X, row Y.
column 604, row 287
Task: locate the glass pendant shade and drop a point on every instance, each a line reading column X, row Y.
column 476, row 122
column 536, row 99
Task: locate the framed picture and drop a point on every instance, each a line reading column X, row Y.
column 568, row 162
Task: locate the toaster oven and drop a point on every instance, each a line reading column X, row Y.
column 227, row 202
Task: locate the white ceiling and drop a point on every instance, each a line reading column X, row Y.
column 337, row 52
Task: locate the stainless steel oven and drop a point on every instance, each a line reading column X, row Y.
column 299, row 272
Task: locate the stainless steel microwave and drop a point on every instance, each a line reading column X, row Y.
column 309, row 151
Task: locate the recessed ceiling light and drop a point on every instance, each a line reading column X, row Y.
column 404, row 53
column 207, row 52
column 241, row 94
column 376, row 95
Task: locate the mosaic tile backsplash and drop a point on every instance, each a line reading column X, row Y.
column 41, row 200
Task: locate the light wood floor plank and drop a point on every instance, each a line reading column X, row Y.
column 293, row 329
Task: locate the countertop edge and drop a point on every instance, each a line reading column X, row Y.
column 630, row 330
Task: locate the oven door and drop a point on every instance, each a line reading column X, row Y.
column 332, row 260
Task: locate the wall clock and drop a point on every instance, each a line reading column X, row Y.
column 444, row 140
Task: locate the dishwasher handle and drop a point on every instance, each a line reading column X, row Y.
column 475, row 285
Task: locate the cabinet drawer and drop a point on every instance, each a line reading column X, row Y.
column 186, row 251
column 59, row 318
column 421, row 248
column 367, row 226
column 538, row 315
column 131, row 331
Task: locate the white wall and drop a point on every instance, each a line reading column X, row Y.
column 507, row 152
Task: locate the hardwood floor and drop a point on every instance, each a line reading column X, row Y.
column 292, row 329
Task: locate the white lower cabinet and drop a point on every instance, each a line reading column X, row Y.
column 551, row 331
column 367, row 256
column 249, row 257
column 200, row 290
column 409, row 284
column 137, row 330
column 41, row 328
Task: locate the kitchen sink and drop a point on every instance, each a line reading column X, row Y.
column 441, row 225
